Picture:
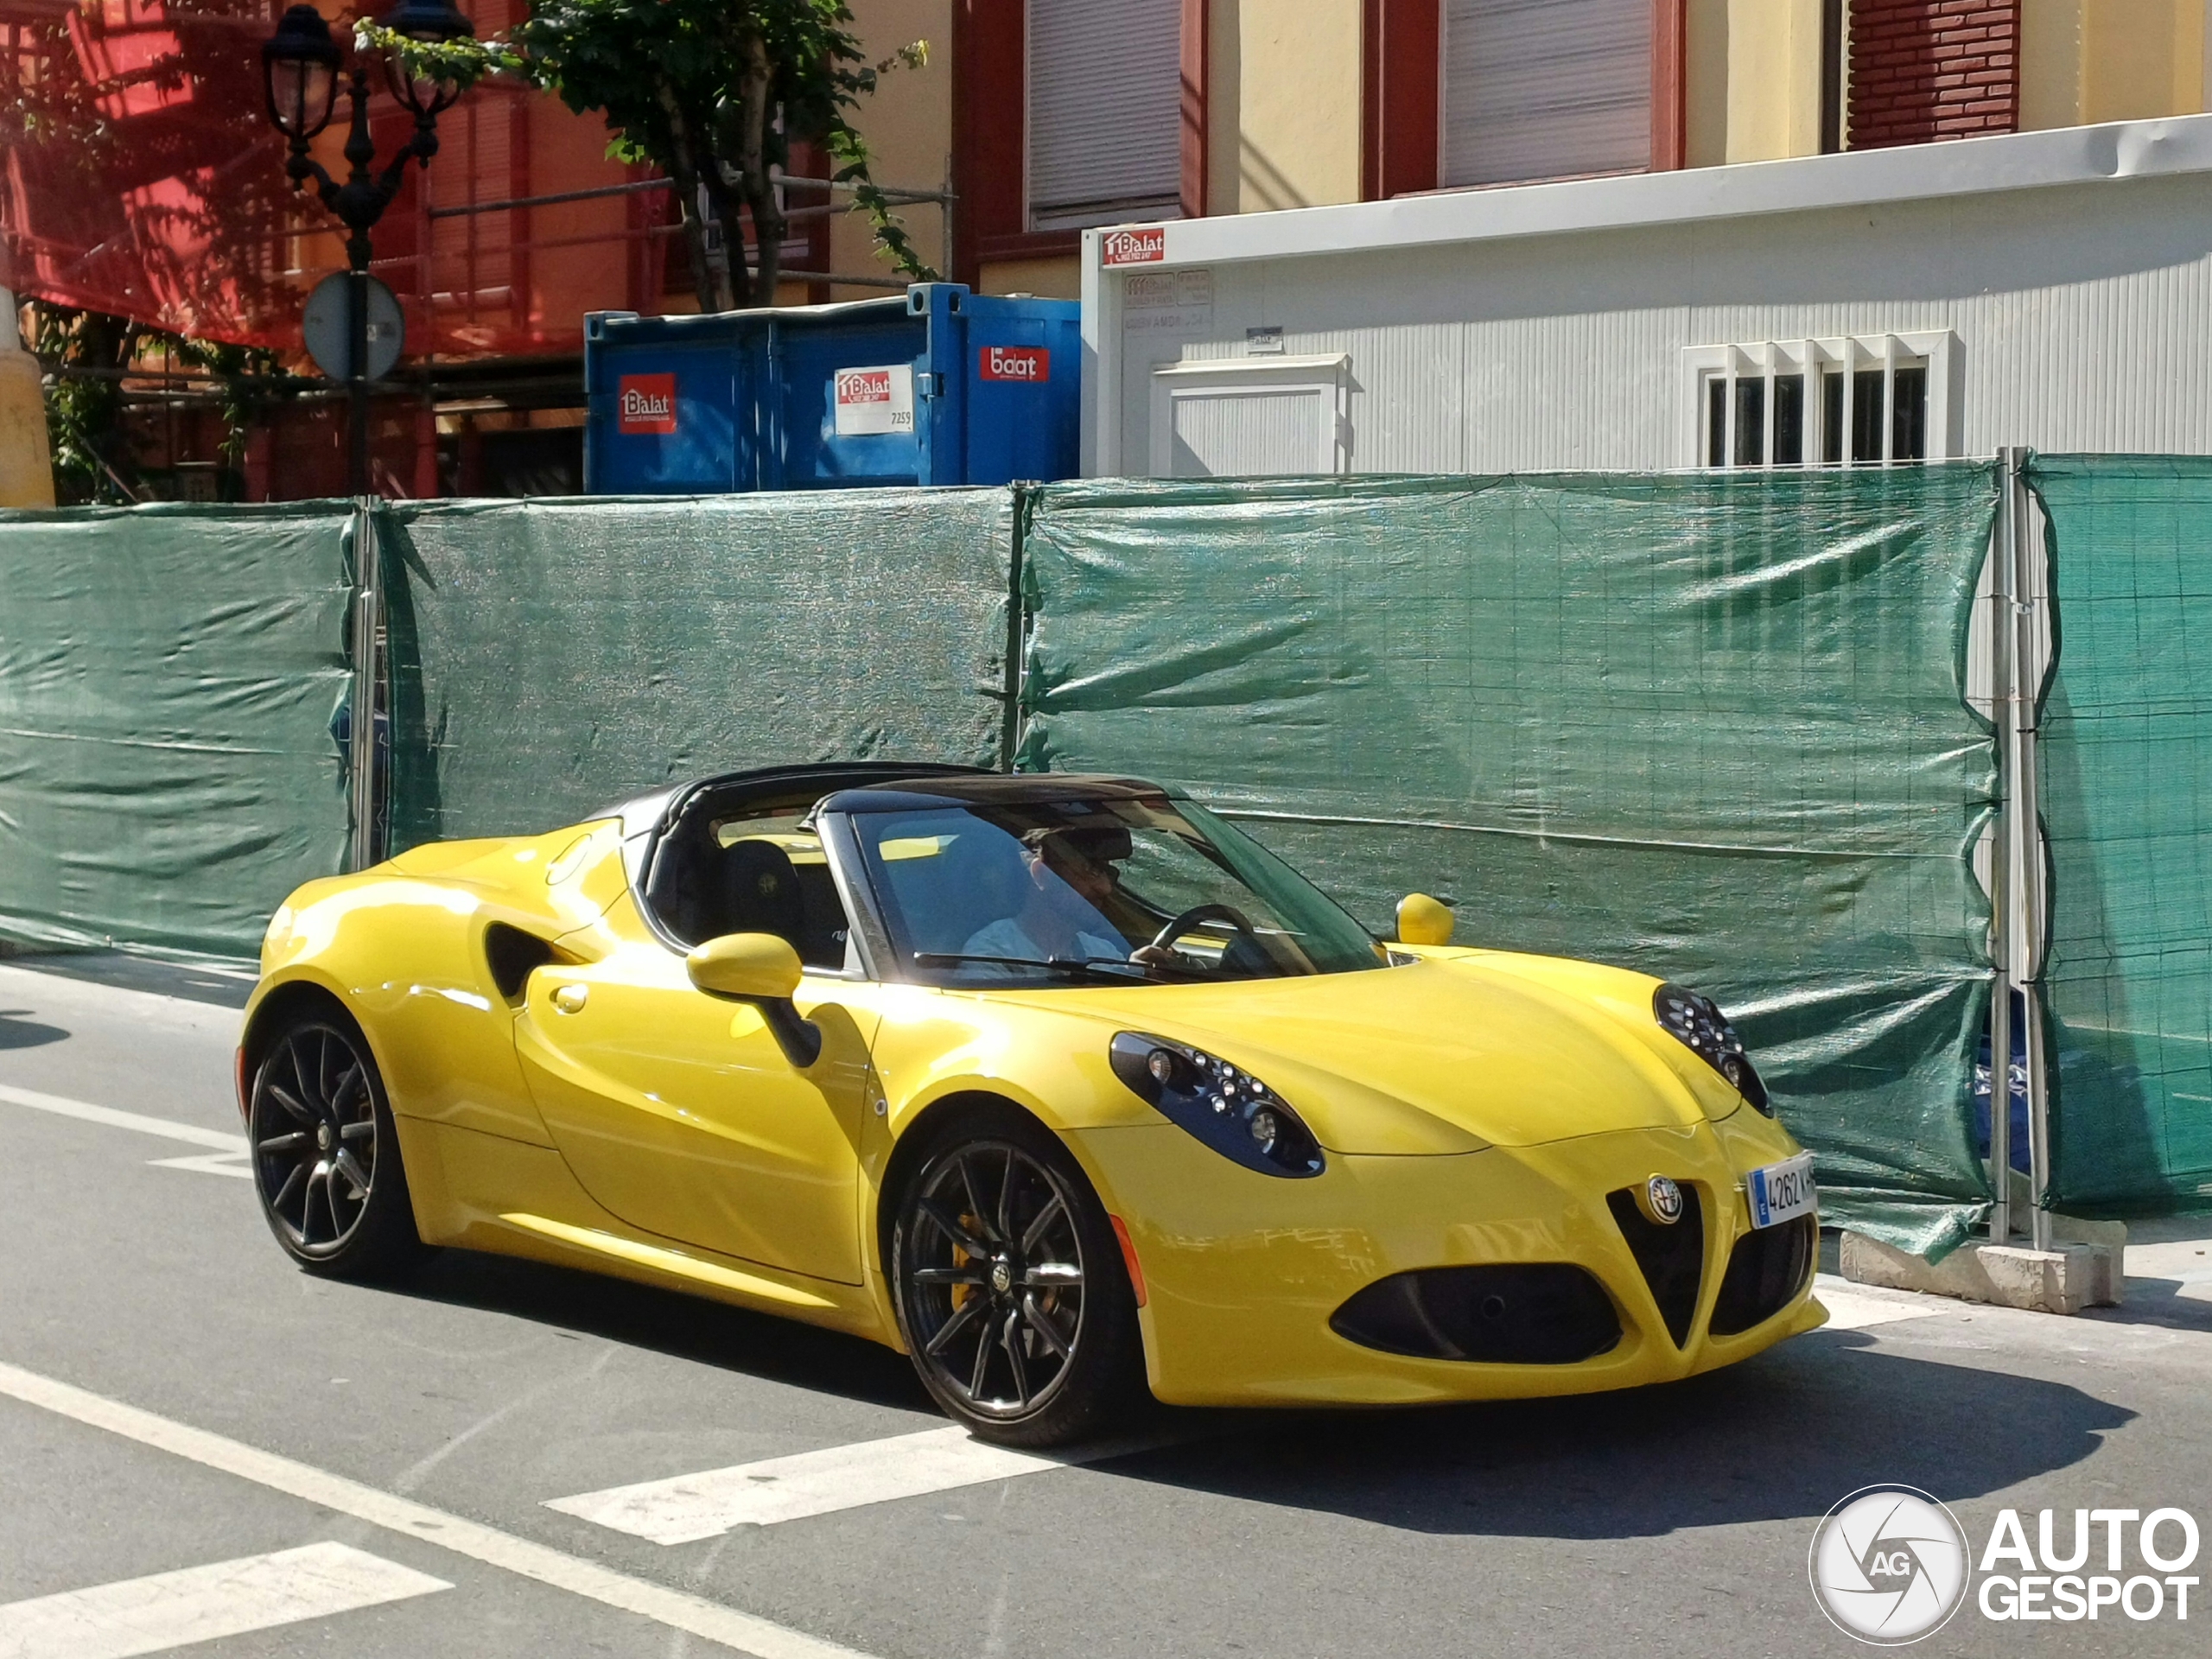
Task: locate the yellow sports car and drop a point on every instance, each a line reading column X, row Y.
column 1060, row 1084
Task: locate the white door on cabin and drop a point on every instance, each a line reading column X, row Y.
column 1239, row 418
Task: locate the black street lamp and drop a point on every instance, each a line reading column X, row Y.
column 299, row 70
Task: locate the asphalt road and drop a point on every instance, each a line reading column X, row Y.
column 370, row 1468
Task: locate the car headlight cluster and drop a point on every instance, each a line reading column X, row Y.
column 1229, row 1109
column 1697, row 1022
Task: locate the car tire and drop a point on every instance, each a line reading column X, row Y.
column 998, row 1217
column 326, row 1157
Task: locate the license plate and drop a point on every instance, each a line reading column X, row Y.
column 1783, row 1192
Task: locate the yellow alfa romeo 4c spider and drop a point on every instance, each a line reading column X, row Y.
column 1060, row 1084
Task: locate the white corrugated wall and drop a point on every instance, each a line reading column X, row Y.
column 2083, row 316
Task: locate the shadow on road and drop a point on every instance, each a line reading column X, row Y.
column 2154, row 1300
column 1779, row 1436
column 16, row 1032
column 686, row 1327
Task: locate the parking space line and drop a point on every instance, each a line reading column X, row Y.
column 686, row 1507
column 761, row 1638
column 86, row 1112
column 201, row 1603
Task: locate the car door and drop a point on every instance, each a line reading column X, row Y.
column 678, row 1112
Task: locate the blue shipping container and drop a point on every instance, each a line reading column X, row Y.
column 942, row 386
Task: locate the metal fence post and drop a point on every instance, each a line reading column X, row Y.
column 1017, row 627
column 368, row 602
column 2003, row 572
column 2026, row 964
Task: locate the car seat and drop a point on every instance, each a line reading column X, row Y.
column 753, row 889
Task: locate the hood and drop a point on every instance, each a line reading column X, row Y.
column 1434, row 1056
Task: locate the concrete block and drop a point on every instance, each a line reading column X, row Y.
column 2064, row 1280
column 2069, row 1229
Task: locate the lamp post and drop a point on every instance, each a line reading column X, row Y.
column 300, row 65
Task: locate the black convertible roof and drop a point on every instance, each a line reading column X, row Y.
column 872, row 786
column 989, row 789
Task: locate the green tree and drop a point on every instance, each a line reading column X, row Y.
column 714, row 93
column 88, row 355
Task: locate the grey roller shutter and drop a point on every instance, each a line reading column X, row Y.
column 1105, row 112
column 1545, row 89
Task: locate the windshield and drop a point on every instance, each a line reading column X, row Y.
column 1057, row 892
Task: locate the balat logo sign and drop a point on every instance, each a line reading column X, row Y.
column 874, row 401
column 1142, row 247
column 1031, row 363
column 646, row 403
column 864, row 386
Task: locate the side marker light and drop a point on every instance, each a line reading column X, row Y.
column 1129, row 1258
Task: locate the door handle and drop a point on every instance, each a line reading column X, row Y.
column 571, row 999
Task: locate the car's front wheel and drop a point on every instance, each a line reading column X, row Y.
column 1011, row 1293
column 325, row 1159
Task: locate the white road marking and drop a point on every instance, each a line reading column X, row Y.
column 696, row 1615
column 1852, row 1310
column 84, row 1111
column 238, row 1163
column 687, row 1508
column 201, row 1603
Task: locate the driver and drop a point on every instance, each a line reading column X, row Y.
column 1073, row 874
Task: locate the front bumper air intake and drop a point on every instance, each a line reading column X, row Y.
column 1529, row 1313
column 1765, row 1270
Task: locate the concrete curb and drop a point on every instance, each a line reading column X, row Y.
column 2064, row 1280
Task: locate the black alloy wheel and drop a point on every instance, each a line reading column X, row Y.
column 326, row 1161
column 1011, row 1291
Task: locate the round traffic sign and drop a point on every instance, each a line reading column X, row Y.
column 328, row 328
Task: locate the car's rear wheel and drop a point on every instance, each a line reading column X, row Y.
column 1011, row 1293
column 325, row 1159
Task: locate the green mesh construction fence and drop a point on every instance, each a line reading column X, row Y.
column 167, row 678
column 2126, row 742
column 549, row 657
column 1709, row 727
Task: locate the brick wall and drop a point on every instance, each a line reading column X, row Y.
column 1925, row 70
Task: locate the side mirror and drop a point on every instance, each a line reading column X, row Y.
column 764, row 970
column 746, row 966
column 1424, row 920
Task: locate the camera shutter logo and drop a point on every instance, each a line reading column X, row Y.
column 1889, row 1564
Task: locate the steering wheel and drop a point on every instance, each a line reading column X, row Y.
column 1165, row 940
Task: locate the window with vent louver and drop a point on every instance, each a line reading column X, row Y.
column 1545, row 89
column 1105, row 112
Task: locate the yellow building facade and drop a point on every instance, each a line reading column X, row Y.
column 1288, row 103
